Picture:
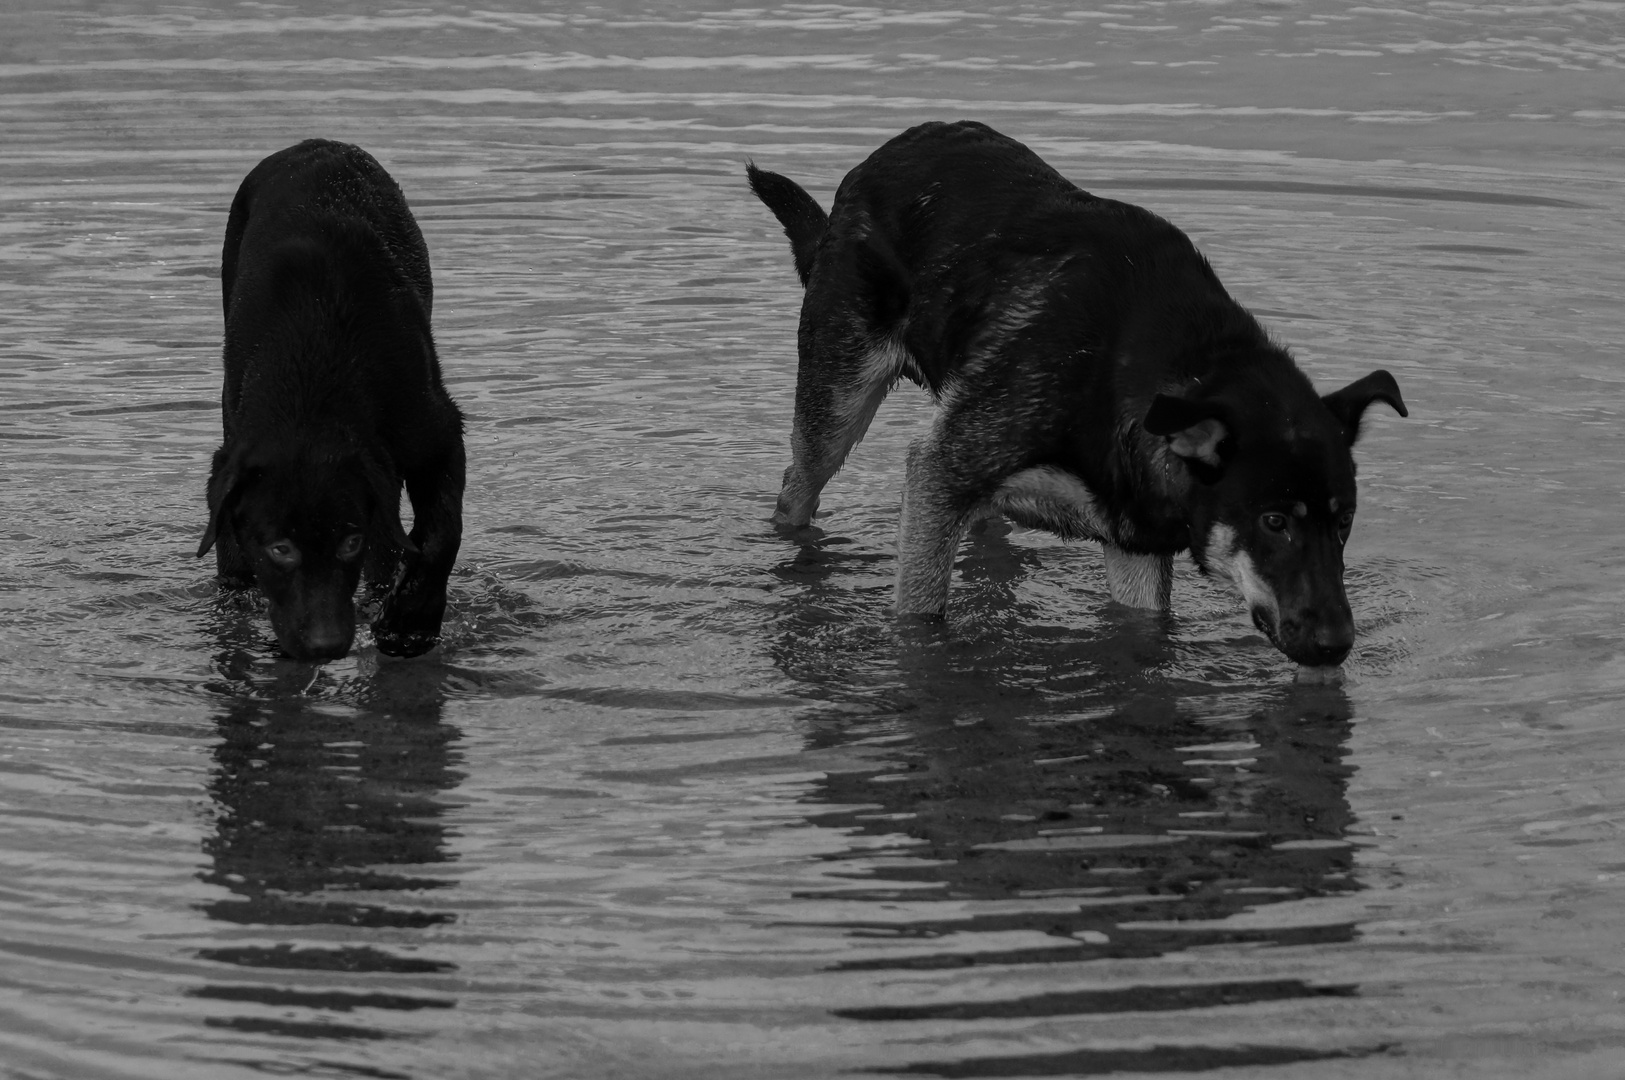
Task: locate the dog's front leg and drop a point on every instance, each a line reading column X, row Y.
column 928, row 533
column 1142, row 581
column 409, row 623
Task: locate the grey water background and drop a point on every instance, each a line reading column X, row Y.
column 676, row 798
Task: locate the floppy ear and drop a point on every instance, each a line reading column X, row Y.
column 226, row 484
column 386, row 494
column 1193, row 428
column 1348, row 405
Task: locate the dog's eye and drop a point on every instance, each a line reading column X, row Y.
column 350, row 547
column 283, row 553
column 1274, row 522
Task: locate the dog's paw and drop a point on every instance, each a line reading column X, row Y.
column 921, row 618
column 408, row 624
column 403, row 644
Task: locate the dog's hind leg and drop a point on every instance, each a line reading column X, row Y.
column 1142, row 581
column 840, row 385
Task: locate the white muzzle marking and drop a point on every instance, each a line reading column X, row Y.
column 1226, row 558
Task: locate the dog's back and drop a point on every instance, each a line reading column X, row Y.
column 949, row 227
column 297, row 191
column 327, row 291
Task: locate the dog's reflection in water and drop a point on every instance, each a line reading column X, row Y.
column 328, row 827
column 1113, row 807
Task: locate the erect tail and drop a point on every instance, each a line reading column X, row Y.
column 803, row 219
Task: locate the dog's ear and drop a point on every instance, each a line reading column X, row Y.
column 1194, row 429
column 226, row 484
column 386, row 497
column 1348, row 405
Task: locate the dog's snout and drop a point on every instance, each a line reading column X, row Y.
column 326, row 643
column 312, row 635
column 1335, row 634
column 1317, row 638
column 1326, row 645
column 1330, row 653
column 1338, row 638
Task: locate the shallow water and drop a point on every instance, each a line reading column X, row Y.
column 676, row 798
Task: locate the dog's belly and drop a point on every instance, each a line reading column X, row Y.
column 1050, row 498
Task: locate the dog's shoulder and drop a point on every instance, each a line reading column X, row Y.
column 330, row 193
column 967, row 149
column 938, row 170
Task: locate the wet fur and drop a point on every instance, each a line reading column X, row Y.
column 332, row 401
column 1094, row 377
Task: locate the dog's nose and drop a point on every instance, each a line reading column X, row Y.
column 324, row 643
column 1329, row 657
column 1331, row 644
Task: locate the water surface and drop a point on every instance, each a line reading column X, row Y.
column 676, row 798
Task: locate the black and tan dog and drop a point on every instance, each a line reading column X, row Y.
column 332, row 400
column 1094, row 377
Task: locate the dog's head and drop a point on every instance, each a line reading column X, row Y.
column 305, row 519
column 1272, row 499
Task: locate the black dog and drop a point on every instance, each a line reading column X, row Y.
column 1095, row 380
column 332, row 399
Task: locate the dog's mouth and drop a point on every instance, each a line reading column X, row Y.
column 1297, row 643
column 1264, row 619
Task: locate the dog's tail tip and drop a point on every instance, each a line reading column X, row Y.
column 780, row 193
column 1389, row 392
